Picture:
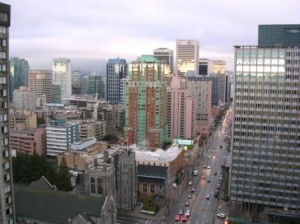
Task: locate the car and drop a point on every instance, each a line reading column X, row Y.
column 216, row 194
column 208, row 167
column 221, row 215
column 187, row 203
column 203, row 177
column 204, row 166
column 215, row 173
column 190, row 196
column 177, row 217
column 208, row 180
column 181, row 211
column 190, row 183
column 195, row 173
column 185, row 218
column 193, row 190
column 207, row 196
column 188, row 213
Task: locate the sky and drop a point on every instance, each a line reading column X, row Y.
column 89, row 32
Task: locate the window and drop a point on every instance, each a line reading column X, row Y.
column 145, row 188
column 99, row 186
column 152, row 188
column 2, row 29
column 93, row 190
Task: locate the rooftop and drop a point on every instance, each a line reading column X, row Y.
column 159, row 154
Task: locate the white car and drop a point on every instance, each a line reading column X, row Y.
column 190, row 183
column 207, row 196
column 221, row 215
column 208, row 167
column 188, row 212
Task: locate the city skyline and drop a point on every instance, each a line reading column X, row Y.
column 127, row 29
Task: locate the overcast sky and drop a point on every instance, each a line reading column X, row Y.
column 89, row 32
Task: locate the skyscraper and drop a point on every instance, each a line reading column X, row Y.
column 61, row 75
column 187, row 57
column 165, row 56
column 95, row 85
column 145, row 103
column 266, row 130
column 40, row 82
column 116, row 69
column 19, row 68
column 7, row 211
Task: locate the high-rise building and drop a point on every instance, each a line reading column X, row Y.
column 60, row 136
column 187, row 57
column 266, row 130
column 116, row 69
column 18, row 68
column 165, row 56
column 76, row 83
column 95, row 85
column 218, row 67
column 24, row 98
column 40, row 82
column 61, row 76
column 7, row 210
column 205, row 66
column 180, row 110
column 145, row 106
column 279, row 35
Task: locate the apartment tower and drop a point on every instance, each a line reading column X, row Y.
column 265, row 172
column 145, row 106
column 40, row 82
column 116, row 69
column 187, row 57
column 7, row 213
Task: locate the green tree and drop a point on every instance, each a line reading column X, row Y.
column 63, row 181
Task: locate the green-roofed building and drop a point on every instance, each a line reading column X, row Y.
column 37, row 205
column 145, row 103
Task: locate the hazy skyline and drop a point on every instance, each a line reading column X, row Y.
column 92, row 31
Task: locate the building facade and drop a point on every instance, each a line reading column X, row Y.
column 187, row 56
column 145, row 119
column 24, row 98
column 40, row 82
column 19, row 69
column 165, row 56
column 7, row 210
column 61, row 76
column 180, row 110
column 266, row 145
column 126, row 180
column 60, row 136
column 28, row 141
column 95, row 85
column 116, row 69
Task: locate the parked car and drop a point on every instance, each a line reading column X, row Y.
column 208, row 167
column 195, row 173
column 187, row 203
column 215, row 173
column 221, row 215
column 193, row 190
column 181, row 211
column 188, row 213
column 190, row 196
column 177, row 217
column 190, row 183
column 207, row 196
column 208, row 180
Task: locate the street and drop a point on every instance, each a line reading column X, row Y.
column 203, row 205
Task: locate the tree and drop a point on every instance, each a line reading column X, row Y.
column 63, row 181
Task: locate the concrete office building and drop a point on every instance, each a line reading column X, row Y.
column 61, row 76
column 187, row 57
column 265, row 172
column 40, row 82
column 18, row 68
column 24, row 98
column 116, row 69
column 7, row 210
column 165, row 56
column 60, row 136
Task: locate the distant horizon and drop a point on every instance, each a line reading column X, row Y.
column 91, row 33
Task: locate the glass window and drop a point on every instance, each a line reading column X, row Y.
column 93, row 187
column 152, row 188
column 145, row 188
column 99, row 186
column 3, row 16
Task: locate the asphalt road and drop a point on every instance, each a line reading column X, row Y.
column 203, row 211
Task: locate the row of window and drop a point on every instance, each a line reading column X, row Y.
column 268, row 98
column 251, row 141
column 278, row 106
column 274, row 91
column 259, row 113
column 264, row 170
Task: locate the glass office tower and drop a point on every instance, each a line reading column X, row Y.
column 265, row 170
